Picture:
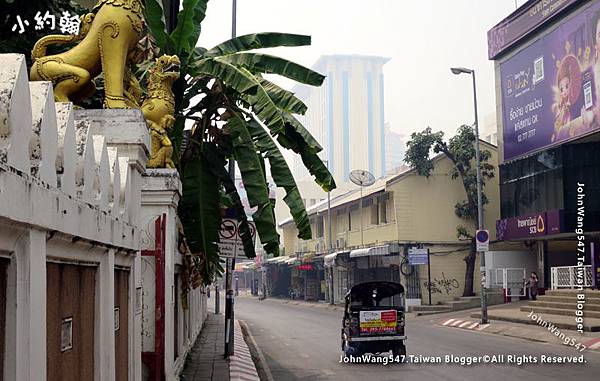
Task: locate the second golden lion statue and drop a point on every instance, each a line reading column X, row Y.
column 159, row 109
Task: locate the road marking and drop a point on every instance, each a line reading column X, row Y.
column 465, row 324
column 456, row 323
column 593, row 343
column 448, row 321
column 482, row 327
column 473, row 325
column 328, row 372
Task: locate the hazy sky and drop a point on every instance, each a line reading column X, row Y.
column 423, row 38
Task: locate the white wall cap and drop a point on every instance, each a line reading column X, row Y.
column 15, row 112
column 43, row 146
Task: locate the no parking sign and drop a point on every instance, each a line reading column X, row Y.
column 230, row 241
column 482, row 237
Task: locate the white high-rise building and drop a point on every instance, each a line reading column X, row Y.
column 395, row 149
column 346, row 115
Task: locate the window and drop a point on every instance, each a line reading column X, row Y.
column 532, row 184
column 383, row 212
column 349, row 220
column 374, row 213
column 319, row 227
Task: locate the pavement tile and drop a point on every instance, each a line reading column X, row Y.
column 205, row 361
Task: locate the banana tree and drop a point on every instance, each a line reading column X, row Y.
column 237, row 113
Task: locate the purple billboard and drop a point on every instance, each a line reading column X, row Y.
column 550, row 89
column 523, row 21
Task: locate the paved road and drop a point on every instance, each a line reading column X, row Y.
column 302, row 343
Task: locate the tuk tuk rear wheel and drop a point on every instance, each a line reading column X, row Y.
column 399, row 350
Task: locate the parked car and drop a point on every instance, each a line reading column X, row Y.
column 374, row 319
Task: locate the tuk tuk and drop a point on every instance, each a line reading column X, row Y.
column 373, row 319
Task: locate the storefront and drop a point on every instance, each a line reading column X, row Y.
column 336, row 270
column 373, row 264
column 549, row 124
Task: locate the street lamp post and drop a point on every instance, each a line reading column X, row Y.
column 484, row 312
column 330, row 244
column 230, row 262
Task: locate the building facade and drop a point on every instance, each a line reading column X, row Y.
column 399, row 212
column 89, row 253
column 395, row 149
column 346, row 114
column 548, row 117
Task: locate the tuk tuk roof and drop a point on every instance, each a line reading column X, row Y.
column 384, row 289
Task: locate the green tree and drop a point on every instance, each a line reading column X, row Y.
column 460, row 149
column 239, row 114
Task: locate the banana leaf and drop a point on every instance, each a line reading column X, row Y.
column 230, row 75
column 246, row 155
column 199, row 208
column 187, row 30
column 285, row 100
column 293, row 125
column 217, row 160
column 315, row 166
column 258, row 41
column 263, row 106
column 155, row 18
column 282, row 176
column 294, row 140
column 264, row 63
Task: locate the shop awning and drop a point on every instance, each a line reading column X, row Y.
column 329, row 259
column 277, row 260
column 292, row 261
column 369, row 251
column 308, row 257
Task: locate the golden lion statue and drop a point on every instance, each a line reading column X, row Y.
column 107, row 44
column 159, row 109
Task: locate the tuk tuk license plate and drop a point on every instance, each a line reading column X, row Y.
column 378, row 321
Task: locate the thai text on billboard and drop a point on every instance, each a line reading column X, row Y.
column 523, row 21
column 551, row 89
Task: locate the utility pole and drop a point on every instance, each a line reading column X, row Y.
column 230, row 264
column 484, row 312
column 330, row 243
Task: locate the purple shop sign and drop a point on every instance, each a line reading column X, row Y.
column 530, row 226
column 551, row 89
column 523, row 21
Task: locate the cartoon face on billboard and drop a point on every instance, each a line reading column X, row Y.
column 549, row 88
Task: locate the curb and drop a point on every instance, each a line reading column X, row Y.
column 241, row 365
column 262, row 367
column 591, row 344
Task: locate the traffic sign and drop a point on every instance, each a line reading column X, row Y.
column 418, row 256
column 230, row 242
column 482, row 237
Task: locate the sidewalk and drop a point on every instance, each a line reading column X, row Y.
column 206, row 362
column 319, row 304
column 508, row 320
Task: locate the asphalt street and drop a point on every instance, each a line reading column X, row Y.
column 303, row 343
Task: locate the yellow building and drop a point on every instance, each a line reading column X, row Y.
column 402, row 211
